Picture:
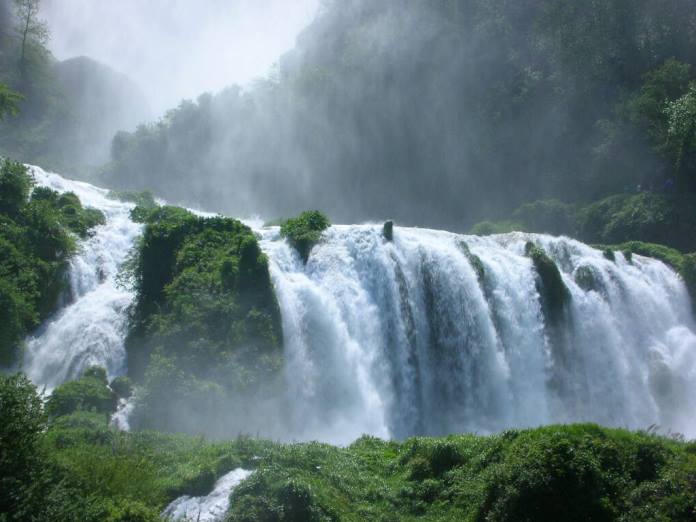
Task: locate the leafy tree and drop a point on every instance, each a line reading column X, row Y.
column 681, row 135
column 22, row 422
column 32, row 31
column 15, row 184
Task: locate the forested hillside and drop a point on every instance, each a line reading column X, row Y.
column 69, row 110
column 440, row 113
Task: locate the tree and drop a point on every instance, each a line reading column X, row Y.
column 22, row 422
column 681, row 132
column 30, row 28
column 8, row 101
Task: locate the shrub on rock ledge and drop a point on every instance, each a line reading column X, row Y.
column 304, row 231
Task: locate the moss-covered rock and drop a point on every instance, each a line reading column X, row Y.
column 304, row 231
column 553, row 291
column 586, row 278
column 206, row 324
column 388, row 230
column 474, row 260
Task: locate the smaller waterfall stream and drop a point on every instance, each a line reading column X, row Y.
column 210, row 508
column 90, row 330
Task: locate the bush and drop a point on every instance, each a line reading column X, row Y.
column 15, row 185
column 22, row 422
column 304, row 231
column 89, row 393
column 122, row 387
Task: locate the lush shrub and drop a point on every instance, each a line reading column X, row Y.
column 91, row 393
column 576, row 472
column 15, row 184
column 304, row 231
column 22, row 422
column 122, row 387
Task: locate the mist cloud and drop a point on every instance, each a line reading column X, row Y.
column 176, row 49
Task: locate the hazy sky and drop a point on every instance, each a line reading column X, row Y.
column 176, row 49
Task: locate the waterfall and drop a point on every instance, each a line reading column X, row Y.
column 403, row 337
column 90, row 329
column 209, row 508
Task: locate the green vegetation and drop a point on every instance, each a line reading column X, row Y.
column 668, row 219
column 36, row 241
column 441, row 113
column 552, row 289
column 90, row 393
column 79, row 468
column 206, row 324
column 304, row 231
column 9, row 101
column 122, row 387
column 64, row 113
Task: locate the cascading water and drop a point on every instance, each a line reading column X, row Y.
column 90, row 329
column 406, row 337
column 400, row 338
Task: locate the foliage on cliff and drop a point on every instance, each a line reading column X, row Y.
column 206, row 324
column 38, row 227
column 304, row 231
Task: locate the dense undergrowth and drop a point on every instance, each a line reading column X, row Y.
column 80, row 468
column 205, row 328
column 38, row 228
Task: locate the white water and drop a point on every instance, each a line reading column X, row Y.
column 210, row 508
column 400, row 338
column 90, row 329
